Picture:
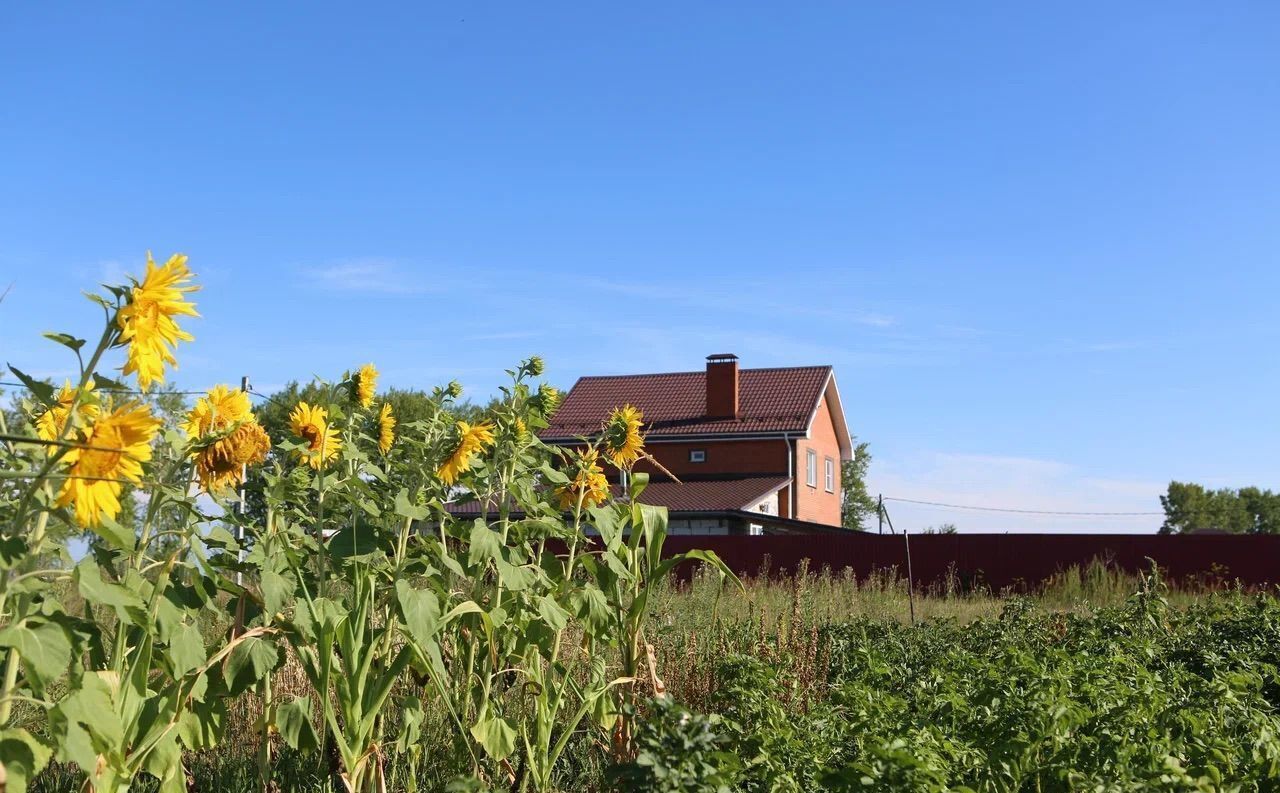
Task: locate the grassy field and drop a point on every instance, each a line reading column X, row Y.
column 1102, row 681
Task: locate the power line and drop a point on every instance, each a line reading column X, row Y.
column 1022, row 511
column 157, row 392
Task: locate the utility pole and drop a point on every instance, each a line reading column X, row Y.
column 880, row 512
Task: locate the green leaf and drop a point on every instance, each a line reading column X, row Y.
column 354, row 542
column 202, row 726
column 117, row 536
column 164, row 762
column 553, row 476
column 606, row 522
column 421, row 611
column 186, row 649
column 592, row 608
column 293, row 720
column 496, row 735
column 65, row 339
column 406, row 509
column 86, row 722
column 44, row 647
column 411, row 718
column 552, row 613
column 21, row 758
column 639, row 481
column 485, row 543
column 41, row 390
column 88, row 577
column 469, row 607
column 12, row 551
column 277, row 591
column 250, row 661
column 513, row 577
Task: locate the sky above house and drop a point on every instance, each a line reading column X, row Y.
column 1039, row 244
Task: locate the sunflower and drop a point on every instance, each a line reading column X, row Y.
column 386, row 428
column 147, row 321
column 312, row 425
column 471, row 439
column 117, row 444
column 590, row 483
column 623, row 443
column 547, row 399
column 49, row 424
column 227, row 437
column 365, row 383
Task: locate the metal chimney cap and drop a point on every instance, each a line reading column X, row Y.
column 722, row 357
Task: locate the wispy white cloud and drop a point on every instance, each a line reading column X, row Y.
column 368, row 276
column 503, row 335
column 1011, row 483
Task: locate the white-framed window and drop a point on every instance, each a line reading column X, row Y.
column 697, row 455
column 811, row 468
column 830, row 475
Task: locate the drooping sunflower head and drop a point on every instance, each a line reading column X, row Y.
column 471, row 438
column 546, row 400
column 50, row 423
column 226, row 437
column 623, row 443
column 147, row 321
column 386, row 428
column 589, row 483
column 311, row 424
column 365, row 384
column 114, row 447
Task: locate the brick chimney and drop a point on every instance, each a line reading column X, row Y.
column 722, row 386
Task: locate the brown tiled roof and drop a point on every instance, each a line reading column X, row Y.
column 720, row 495
column 770, row 400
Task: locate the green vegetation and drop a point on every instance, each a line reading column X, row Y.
column 1191, row 507
column 1103, row 681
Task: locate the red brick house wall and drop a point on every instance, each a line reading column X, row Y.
column 816, row 503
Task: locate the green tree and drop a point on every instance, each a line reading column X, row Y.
column 856, row 504
column 1249, row 510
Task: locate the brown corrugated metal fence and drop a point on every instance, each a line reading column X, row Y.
column 1001, row 560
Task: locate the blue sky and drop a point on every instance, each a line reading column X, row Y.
column 1039, row 244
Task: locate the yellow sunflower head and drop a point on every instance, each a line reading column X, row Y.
column 50, row 423
column 311, row 424
column 218, row 410
column 471, row 439
column 365, row 384
column 589, row 483
column 147, row 322
column 386, row 428
column 623, row 443
column 115, row 445
column 227, row 438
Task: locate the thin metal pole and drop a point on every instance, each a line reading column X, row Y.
column 244, row 473
column 911, row 585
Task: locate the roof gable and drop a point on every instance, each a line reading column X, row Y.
column 674, row 404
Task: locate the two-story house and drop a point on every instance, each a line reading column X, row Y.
column 755, row 450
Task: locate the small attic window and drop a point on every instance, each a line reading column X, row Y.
column 697, row 455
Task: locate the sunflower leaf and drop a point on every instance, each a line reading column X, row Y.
column 65, row 339
column 42, row 391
